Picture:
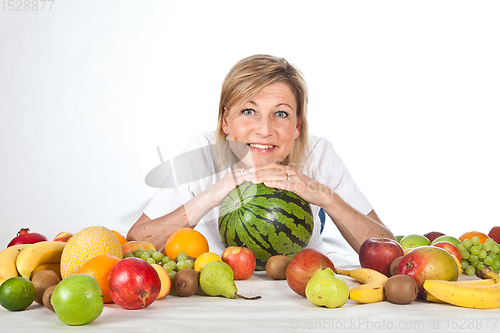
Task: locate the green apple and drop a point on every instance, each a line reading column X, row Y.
column 446, row 238
column 399, row 238
column 414, row 240
column 77, row 300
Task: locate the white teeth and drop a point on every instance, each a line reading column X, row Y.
column 256, row 145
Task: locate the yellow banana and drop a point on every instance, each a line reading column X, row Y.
column 467, row 295
column 8, row 261
column 486, row 282
column 372, row 288
column 38, row 254
column 51, row 266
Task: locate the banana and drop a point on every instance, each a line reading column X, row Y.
column 372, row 288
column 51, row 266
column 486, row 282
column 8, row 261
column 467, row 295
column 38, row 254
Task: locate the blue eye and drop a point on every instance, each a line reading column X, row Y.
column 282, row 114
column 248, row 112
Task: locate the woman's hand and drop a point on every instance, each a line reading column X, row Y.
column 287, row 178
column 218, row 191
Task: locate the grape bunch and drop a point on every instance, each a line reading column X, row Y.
column 475, row 255
column 156, row 257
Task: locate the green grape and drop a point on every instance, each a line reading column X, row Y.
column 189, row 263
column 474, row 263
column 157, row 256
column 181, row 256
column 461, row 247
column 465, row 255
column 165, row 260
column 487, row 247
column 480, row 266
column 128, row 255
column 474, row 249
column 475, row 240
column 144, row 256
column 138, row 252
column 172, row 274
column 489, row 260
column 470, row 270
column 494, row 256
column 181, row 265
column 151, row 260
column 473, row 257
column 150, row 251
column 490, row 241
column 482, row 254
column 495, row 248
column 465, row 263
column 170, row 266
column 496, row 265
column 467, row 243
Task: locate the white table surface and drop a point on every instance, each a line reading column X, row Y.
column 279, row 310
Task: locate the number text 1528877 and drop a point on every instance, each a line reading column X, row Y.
column 26, row 5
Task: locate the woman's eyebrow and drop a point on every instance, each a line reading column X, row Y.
column 277, row 105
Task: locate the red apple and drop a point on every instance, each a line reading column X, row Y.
column 495, row 234
column 428, row 263
column 378, row 254
column 303, row 266
column 133, row 283
column 24, row 236
column 63, row 236
column 241, row 260
column 433, row 235
column 452, row 249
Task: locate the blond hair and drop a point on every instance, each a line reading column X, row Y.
column 245, row 80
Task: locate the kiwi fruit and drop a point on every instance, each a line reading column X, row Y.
column 43, row 280
column 46, row 298
column 276, row 267
column 394, row 266
column 185, row 282
column 401, row 289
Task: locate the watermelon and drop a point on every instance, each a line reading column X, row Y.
column 266, row 220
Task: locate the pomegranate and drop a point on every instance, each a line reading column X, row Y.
column 24, row 236
column 133, row 283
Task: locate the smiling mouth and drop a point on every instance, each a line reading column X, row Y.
column 259, row 146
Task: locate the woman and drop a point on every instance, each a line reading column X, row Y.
column 263, row 117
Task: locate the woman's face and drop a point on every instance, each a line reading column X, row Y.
column 267, row 124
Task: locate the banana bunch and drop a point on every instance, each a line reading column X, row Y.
column 372, row 288
column 27, row 259
column 476, row 294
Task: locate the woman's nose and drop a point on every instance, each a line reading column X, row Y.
column 264, row 127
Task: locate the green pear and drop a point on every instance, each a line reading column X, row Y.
column 217, row 279
column 325, row 288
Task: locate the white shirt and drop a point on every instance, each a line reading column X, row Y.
column 324, row 165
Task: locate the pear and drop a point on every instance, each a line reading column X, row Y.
column 217, row 279
column 325, row 288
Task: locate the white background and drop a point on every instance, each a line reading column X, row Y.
column 408, row 93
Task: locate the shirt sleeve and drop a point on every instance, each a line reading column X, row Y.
column 167, row 200
column 326, row 166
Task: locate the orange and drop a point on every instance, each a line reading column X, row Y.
column 99, row 267
column 87, row 244
column 120, row 237
column 186, row 240
column 468, row 235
